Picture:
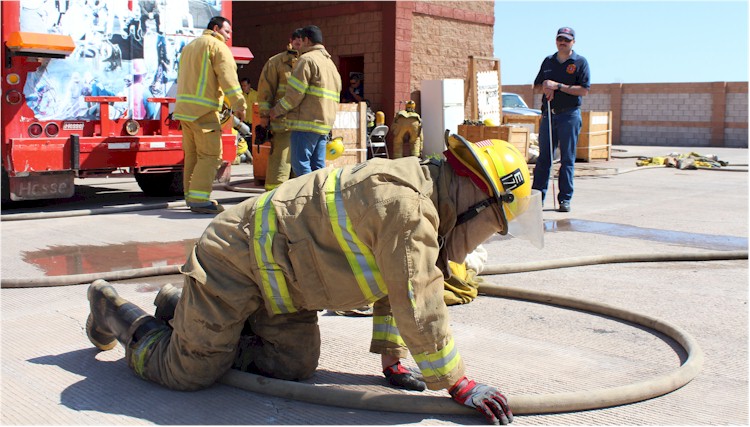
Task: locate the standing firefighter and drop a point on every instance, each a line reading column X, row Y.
column 380, row 231
column 271, row 88
column 407, row 129
column 206, row 75
column 310, row 102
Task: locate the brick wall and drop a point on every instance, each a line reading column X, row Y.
column 444, row 35
column 670, row 114
column 402, row 42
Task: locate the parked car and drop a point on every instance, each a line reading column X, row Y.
column 514, row 104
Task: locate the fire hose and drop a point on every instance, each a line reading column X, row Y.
column 532, row 404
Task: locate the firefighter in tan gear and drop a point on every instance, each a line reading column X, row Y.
column 407, row 129
column 310, row 102
column 380, row 231
column 207, row 74
column 271, row 88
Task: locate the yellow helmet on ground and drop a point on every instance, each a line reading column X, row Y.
column 334, row 148
column 379, row 118
column 500, row 170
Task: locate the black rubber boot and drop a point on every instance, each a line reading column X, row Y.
column 166, row 302
column 114, row 319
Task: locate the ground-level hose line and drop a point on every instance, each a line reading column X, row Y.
column 534, row 404
column 75, row 279
column 612, row 259
column 523, row 404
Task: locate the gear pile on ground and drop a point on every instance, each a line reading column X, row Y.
column 691, row 160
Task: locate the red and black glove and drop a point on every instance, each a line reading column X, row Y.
column 485, row 399
column 402, row 377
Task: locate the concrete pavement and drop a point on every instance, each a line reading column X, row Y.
column 52, row 375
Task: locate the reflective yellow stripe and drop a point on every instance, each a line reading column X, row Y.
column 205, row 67
column 199, row 100
column 272, row 278
column 143, row 349
column 384, row 328
column 439, row 364
column 199, row 195
column 318, row 91
column 324, row 93
column 307, row 126
column 297, row 84
column 410, row 291
column 233, row 90
column 360, row 258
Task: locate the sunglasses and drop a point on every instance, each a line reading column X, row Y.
column 563, row 39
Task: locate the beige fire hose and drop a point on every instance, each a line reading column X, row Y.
column 75, row 279
column 533, row 404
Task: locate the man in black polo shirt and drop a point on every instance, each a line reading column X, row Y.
column 563, row 80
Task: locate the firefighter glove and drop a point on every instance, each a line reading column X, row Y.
column 262, row 134
column 485, row 399
column 401, row 377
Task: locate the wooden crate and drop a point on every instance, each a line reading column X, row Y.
column 351, row 124
column 518, row 136
column 532, row 122
column 595, row 139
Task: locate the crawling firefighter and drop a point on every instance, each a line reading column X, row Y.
column 407, row 129
column 380, row 231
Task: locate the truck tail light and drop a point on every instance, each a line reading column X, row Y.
column 35, row 130
column 13, row 97
column 52, row 129
column 13, row 79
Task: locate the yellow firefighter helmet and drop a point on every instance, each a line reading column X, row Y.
column 411, row 105
column 379, row 118
column 334, row 148
column 500, row 170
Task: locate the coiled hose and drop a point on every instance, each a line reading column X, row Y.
column 425, row 404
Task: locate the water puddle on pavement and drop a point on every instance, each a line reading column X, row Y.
column 84, row 259
column 697, row 240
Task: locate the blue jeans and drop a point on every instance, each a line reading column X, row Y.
column 565, row 129
column 308, row 152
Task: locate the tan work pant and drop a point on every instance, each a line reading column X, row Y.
column 201, row 143
column 407, row 130
column 279, row 165
column 218, row 298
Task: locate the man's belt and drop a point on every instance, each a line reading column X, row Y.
column 561, row 110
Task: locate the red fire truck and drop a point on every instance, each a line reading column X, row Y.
column 87, row 89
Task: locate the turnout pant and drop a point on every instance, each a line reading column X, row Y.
column 201, row 143
column 218, row 298
column 279, row 164
column 407, row 130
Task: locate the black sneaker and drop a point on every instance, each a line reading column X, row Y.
column 564, row 206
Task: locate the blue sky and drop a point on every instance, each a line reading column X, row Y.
column 627, row 41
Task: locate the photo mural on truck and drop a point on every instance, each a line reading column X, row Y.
column 119, row 52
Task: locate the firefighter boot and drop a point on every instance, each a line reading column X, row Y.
column 166, row 302
column 114, row 319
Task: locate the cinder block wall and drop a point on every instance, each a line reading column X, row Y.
column 671, row 114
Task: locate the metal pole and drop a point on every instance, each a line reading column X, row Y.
column 551, row 155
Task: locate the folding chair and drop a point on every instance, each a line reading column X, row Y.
column 376, row 142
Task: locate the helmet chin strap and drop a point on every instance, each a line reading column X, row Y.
column 475, row 209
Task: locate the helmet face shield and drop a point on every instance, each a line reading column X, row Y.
column 527, row 220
